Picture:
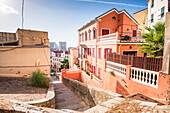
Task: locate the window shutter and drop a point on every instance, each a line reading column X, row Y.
column 105, row 53
column 110, row 50
column 90, row 51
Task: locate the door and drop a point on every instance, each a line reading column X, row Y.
column 105, row 32
column 134, row 53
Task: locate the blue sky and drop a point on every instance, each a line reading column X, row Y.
column 61, row 18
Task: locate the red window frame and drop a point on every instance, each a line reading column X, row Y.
column 134, row 34
column 89, row 35
column 85, row 36
column 99, row 52
column 105, row 32
column 94, row 34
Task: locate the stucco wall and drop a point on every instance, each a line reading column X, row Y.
column 24, row 60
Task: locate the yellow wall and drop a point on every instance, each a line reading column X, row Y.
column 23, row 60
column 141, row 17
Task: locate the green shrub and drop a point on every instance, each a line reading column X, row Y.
column 87, row 72
column 78, row 66
column 38, row 79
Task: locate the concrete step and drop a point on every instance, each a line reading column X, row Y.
column 65, row 99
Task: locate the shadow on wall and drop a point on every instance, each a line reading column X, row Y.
column 80, row 90
column 92, row 96
column 121, row 90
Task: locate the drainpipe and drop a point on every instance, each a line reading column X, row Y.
column 119, row 49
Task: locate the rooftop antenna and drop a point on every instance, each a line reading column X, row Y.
column 22, row 19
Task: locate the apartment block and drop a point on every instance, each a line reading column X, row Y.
column 157, row 10
column 112, row 32
column 57, row 57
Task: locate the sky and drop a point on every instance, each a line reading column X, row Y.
column 60, row 18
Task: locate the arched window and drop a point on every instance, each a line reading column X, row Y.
column 94, row 33
column 89, row 34
column 85, row 36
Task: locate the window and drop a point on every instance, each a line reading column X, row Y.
column 162, row 11
column 94, row 34
column 99, row 52
column 105, row 32
column 134, row 33
column 99, row 72
column 107, row 50
column 85, row 36
column 152, row 4
column 89, row 35
column 152, row 17
column 93, row 52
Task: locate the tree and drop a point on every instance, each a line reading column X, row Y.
column 65, row 64
column 154, row 41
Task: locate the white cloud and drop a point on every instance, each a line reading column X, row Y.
column 115, row 3
column 7, row 9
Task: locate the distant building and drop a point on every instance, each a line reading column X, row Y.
column 57, row 57
column 70, row 48
column 23, row 52
column 53, row 47
column 73, row 57
column 62, row 46
column 142, row 18
column 157, row 10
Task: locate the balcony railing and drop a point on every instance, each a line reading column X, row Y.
column 137, row 39
column 146, row 77
column 109, row 37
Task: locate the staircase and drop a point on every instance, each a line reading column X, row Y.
column 65, row 99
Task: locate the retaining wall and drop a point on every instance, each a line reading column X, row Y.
column 92, row 96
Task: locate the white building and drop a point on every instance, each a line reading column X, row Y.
column 57, row 57
column 156, row 11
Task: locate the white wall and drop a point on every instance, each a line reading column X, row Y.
column 156, row 10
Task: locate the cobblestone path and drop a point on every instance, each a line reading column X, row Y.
column 65, row 99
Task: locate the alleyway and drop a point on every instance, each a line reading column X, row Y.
column 65, row 99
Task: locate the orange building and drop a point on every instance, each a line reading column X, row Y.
column 113, row 31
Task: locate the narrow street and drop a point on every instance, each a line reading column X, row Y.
column 65, row 99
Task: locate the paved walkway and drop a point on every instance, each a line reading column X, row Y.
column 65, row 99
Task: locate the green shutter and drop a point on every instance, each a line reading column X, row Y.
column 152, row 5
column 152, row 17
column 162, row 11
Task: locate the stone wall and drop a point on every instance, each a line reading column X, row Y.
column 92, row 96
column 49, row 101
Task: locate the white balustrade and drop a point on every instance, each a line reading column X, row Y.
column 139, row 39
column 86, row 75
column 97, row 80
column 146, row 77
column 109, row 37
column 118, row 69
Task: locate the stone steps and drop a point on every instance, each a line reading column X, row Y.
column 65, row 99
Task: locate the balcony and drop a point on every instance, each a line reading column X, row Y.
column 83, row 57
column 109, row 38
column 127, row 37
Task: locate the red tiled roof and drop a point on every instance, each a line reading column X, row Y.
column 67, row 52
column 58, row 51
